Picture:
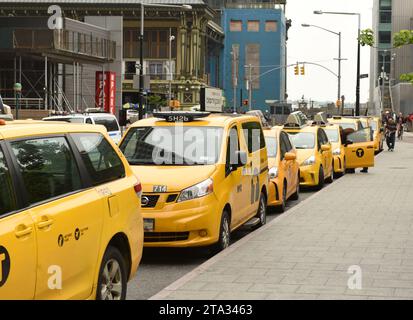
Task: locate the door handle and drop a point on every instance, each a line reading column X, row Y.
column 44, row 223
column 23, row 230
column 370, row 147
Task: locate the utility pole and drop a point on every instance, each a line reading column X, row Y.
column 234, row 79
column 250, row 88
column 141, row 80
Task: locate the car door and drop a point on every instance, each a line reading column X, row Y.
column 284, row 171
column 327, row 154
column 17, row 239
column 359, row 149
column 67, row 216
column 254, row 141
column 239, row 192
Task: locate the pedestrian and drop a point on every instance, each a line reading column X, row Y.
column 400, row 126
column 391, row 129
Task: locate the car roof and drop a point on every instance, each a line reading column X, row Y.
column 343, row 120
column 213, row 120
column 81, row 115
column 307, row 128
column 27, row 128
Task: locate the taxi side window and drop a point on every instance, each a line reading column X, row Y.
column 232, row 147
column 283, row 147
column 101, row 161
column 48, row 168
column 7, row 196
column 288, row 144
column 89, row 121
column 253, row 136
column 363, row 135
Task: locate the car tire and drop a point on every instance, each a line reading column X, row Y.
column 224, row 239
column 112, row 281
column 281, row 207
column 296, row 195
column 331, row 178
column 262, row 211
column 321, row 180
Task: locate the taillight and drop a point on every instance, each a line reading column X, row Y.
column 138, row 189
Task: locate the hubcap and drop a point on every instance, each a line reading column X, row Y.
column 225, row 234
column 111, row 281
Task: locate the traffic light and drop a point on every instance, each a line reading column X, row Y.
column 303, row 70
column 297, row 70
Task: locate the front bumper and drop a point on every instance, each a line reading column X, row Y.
column 308, row 176
column 188, row 224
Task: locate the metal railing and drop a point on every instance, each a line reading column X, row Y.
column 64, row 40
column 25, row 103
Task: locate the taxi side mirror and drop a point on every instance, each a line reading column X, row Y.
column 242, row 159
column 289, row 156
column 325, row 147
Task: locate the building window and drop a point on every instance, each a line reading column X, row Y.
column 252, row 59
column 385, row 4
column 385, row 17
column 384, row 57
column 253, row 26
column 385, row 37
column 235, row 26
column 271, row 26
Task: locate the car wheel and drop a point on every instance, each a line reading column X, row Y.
column 281, row 207
column 330, row 179
column 320, row 179
column 296, row 195
column 262, row 210
column 224, row 233
column 112, row 282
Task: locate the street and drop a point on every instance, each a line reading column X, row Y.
column 161, row 267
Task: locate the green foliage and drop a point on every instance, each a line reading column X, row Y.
column 408, row 77
column 403, row 38
column 367, row 38
column 156, row 101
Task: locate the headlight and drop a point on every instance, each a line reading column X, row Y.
column 310, row 161
column 273, row 172
column 197, row 191
column 337, row 152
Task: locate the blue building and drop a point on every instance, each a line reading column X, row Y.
column 255, row 48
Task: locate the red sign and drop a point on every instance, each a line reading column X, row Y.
column 106, row 91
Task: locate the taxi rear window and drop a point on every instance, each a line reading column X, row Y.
column 332, row 135
column 109, row 123
column 7, row 196
column 65, row 119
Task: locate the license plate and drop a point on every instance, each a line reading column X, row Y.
column 149, row 225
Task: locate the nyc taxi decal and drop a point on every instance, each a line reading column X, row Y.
column 360, row 153
column 77, row 234
column 4, row 265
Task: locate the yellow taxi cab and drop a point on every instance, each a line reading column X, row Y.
column 314, row 152
column 70, row 213
column 284, row 169
column 358, row 143
column 203, row 176
column 376, row 125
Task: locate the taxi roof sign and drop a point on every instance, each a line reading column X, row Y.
column 320, row 119
column 181, row 116
column 296, row 120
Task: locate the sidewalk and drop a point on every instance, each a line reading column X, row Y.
column 364, row 220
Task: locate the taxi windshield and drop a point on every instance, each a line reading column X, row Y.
column 272, row 146
column 332, row 135
column 347, row 125
column 175, row 145
column 302, row 140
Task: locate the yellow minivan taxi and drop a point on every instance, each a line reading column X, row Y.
column 203, row 176
column 358, row 143
column 284, row 169
column 334, row 134
column 314, row 152
column 376, row 125
column 70, row 217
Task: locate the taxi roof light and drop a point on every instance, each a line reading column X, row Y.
column 320, row 119
column 296, row 120
column 180, row 116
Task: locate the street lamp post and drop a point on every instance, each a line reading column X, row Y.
column 358, row 52
column 171, row 38
column 339, row 54
column 141, row 38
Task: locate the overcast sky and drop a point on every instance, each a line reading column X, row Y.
column 315, row 45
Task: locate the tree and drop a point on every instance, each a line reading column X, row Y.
column 400, row 39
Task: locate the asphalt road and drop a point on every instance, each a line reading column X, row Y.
column 161, row 267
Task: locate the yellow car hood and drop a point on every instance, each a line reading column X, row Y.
column 304, row 154
column 175, row 178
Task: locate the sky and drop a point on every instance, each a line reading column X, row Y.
column 315, row 45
